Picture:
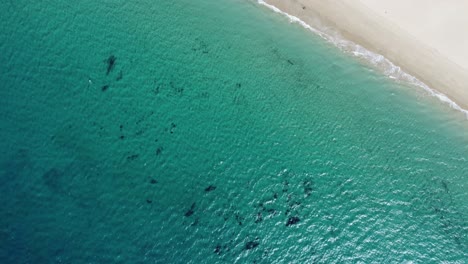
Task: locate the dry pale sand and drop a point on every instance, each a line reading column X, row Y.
column 426, row 38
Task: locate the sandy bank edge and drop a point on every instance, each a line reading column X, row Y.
column 360, row 25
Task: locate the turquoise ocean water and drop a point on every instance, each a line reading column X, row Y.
column 214, row 132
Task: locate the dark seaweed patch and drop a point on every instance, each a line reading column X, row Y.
column 205, row 95
column 285, row 186
column 259, row 218
column 200, row 46
column 173, row 127
column 110, row 63
column 239, row 219
column 218, row 249
column 293, row 220
column 159, row 151
column 251, row 245
column 177, row 89
column 157, row 87
column 190, row 211
column 210, row 188
column 445, row 186
column 133, row 157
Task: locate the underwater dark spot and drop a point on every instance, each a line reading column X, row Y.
column 156, row 90
column 157, row 87
column 238, row 85
column 159, row 151
column 275, row 196
column 293, row 220
column 290, row 62
column 133, row 157
column 307, row 188
column 444, row 185
column 176, row 89
column 52, row 179
column 217, row 249
column 121, row 127
column 251, row 245
column 210, row 188
column 287, row 211
column 110, row 64
column 303, row 7
column 153, row 181
column 104, row 87
column 239, row 219
column 190, row 211
column 200, row 46
column 148, row 201
column 120, row 76
column 285, row 186
column 179, row 90
column 259, row 218
column 173, row 126
column 195, row 223
column 121, row 137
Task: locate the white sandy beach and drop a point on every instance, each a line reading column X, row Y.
column 426, row 38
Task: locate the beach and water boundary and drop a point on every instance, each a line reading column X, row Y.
column 377, row 61
column 214, row 132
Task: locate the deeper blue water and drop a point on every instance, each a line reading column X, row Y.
column 214, row 132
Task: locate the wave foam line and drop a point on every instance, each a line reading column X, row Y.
column 377, row 60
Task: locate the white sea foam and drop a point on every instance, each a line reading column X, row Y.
column 376, row 60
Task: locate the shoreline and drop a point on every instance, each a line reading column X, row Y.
column 358, row 30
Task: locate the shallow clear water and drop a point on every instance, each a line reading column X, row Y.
column 221, row 133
